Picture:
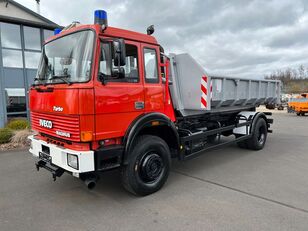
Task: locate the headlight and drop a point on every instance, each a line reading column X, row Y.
column 72, row 161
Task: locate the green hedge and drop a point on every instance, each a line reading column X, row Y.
column 18, row 124
column 5, row 135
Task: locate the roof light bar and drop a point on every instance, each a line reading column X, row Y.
column 100, row 17
column 57, row 31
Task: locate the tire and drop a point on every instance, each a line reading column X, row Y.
column 280, row 108
column 258, row 139
column 270, row 106
column 148, row 166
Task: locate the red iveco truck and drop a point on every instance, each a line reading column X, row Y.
column 107, row 98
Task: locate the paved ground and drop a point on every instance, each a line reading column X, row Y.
column 228, row 189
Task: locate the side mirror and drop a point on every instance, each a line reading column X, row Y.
column 119, row 52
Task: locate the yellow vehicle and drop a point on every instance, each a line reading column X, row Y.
column 299, row 105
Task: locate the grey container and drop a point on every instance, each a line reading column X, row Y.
column 227, row 93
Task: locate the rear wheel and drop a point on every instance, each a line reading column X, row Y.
column 280, row 108
column 258, row 138
column 148, row 167
column 270, row 106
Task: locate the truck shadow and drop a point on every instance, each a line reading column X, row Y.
column 110, row 182
column 211, row 160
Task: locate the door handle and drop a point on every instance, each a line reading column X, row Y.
column 139, row 105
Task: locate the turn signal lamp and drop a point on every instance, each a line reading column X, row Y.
column 100, row 17
column 86, row 136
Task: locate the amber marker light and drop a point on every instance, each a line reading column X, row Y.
column 86, row 136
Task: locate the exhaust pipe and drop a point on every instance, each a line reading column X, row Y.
column 90, row 183
column 38, row 8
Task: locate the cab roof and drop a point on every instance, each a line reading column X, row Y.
column 110, row 32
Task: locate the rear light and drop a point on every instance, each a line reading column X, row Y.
column 86, row 136
column 72, row 161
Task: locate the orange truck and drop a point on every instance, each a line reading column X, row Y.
column 299, row 105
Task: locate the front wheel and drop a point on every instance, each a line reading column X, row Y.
column 148, row 166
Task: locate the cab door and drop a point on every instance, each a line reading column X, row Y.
column 153, row 87
column 118, row 101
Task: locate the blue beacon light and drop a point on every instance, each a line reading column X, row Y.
column 57, row 31
column 100, row 17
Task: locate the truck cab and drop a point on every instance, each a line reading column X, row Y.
column 92, row 83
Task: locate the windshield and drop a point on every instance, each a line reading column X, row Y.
column 67, row 59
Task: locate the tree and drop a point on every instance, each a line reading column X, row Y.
column 294, row 80
column 301, row 72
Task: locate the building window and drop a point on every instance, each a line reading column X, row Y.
column 47, row 34
column 15, row 100
column 12, row 58
column 32, row 38
column 10, row 36
column 150, row 63
column 32, row 59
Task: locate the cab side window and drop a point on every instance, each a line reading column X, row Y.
column 108, row 71
column 105, row 60
column 150, row 65
column 131, row 67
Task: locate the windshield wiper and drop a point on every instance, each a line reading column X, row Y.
column 62, row 77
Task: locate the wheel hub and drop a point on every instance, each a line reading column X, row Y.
column 151, row 167
column 261, row 137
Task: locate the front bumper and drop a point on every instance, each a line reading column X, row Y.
column 58, row 156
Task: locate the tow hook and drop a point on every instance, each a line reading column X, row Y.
column 55, row 171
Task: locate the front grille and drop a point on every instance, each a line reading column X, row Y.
column 68, row 124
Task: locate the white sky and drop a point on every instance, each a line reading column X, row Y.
column 235, row 37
